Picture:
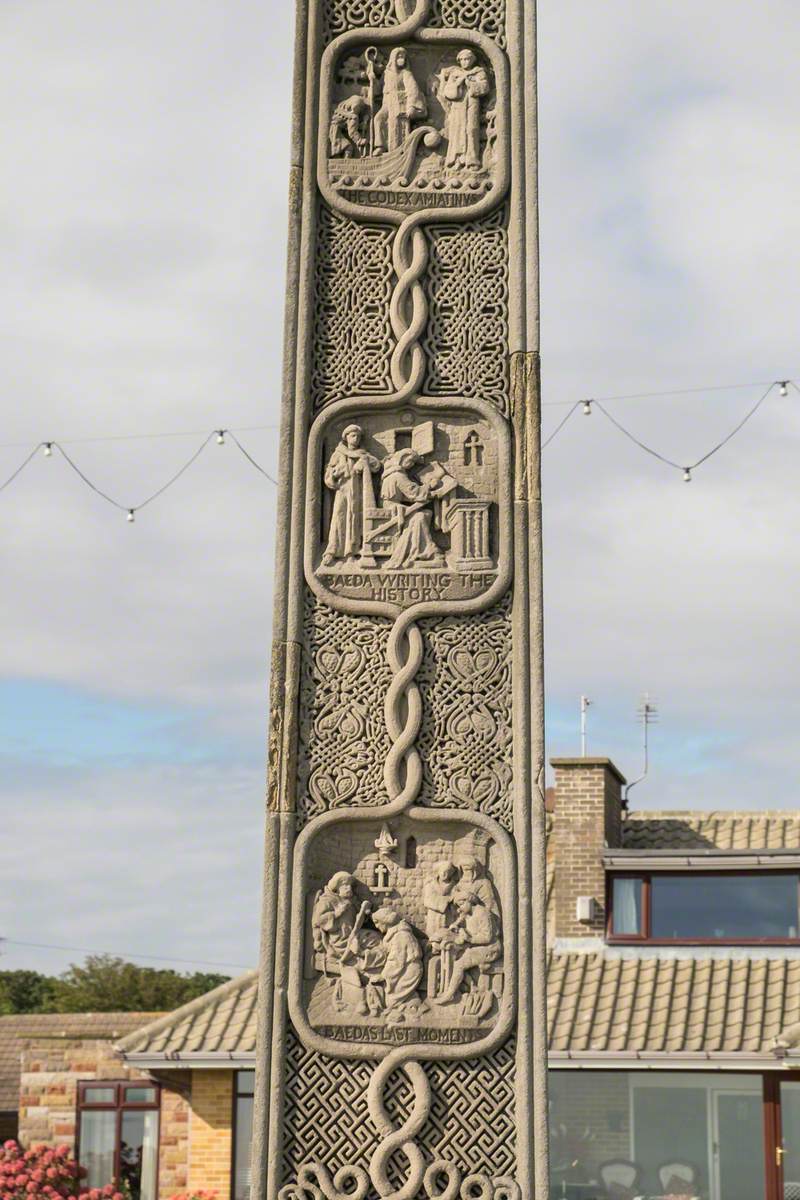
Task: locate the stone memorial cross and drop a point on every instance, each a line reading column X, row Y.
column 401, row 1013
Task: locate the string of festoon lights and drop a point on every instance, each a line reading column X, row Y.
column 587, row 406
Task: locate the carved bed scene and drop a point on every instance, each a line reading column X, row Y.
column 404, row 932
column 412, row 126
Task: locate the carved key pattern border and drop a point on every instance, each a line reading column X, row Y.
column 471, row 1118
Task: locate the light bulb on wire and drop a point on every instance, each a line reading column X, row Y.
column 784, row 388
column 587, row 408
column 687, row 475
column 220, row 437
column 131, row 517
column 48, row 449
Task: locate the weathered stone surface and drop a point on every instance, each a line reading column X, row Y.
column 401, row 983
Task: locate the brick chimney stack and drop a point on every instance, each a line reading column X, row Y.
column 587, row 817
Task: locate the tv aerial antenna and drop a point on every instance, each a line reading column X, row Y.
column 646, row 715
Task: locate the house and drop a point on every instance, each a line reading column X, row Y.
column 42, row 1058
column 674, row 1021
column 674, row 987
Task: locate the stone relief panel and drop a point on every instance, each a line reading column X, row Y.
column 352, row 288
column 466, row 339
column 404, row 932
column 409, row 509
column 327, row 1117
column 343, row 736
column 466, row 739
column 411, row 127
column 486, row 16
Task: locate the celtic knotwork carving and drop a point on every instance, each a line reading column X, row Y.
column 466, row 742
column 487, row 16
column 340, row 15
column 466, row 340
column 353, row 339
column 343, row 739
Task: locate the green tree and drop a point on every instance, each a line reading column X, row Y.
column 108, row 984
column 25, row 992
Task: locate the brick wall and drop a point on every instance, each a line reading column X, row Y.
column 210, row 1132
column 587, row 816
column 50, row 1071
column 173, row 1145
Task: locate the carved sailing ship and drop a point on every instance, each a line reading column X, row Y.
column 392, row 167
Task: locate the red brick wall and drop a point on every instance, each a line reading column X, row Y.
column 587, row 817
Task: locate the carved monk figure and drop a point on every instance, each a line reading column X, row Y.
column 437, row 896
column 403, row 102
column 410, row 502
column 345, row 133
column 475, row 937
column 461, row 88
column 474, row 880
column 344, row 475
column 402, row 968
column 336, row 921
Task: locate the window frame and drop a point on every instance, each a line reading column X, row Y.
column 645, row 936
column 119, row 1105
column 236, row 1095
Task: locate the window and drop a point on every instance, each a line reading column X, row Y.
column 657, row 1133
column 719, row 906
column 118, row 1135
column 242, row 1133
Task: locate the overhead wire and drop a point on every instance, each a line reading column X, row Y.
column 589, row 405
column 198, row 962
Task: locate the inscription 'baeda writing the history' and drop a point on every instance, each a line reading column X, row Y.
column 409, row 506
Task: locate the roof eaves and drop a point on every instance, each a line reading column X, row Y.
column 127, row 1045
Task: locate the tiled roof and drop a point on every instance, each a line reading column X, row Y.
column 222, row 1021
column 15, row 1030
column 711, row 830
column 606, row 1002
column 596, row 1002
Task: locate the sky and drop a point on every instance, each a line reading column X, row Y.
column 142, row 241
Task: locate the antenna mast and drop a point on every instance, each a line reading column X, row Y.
column 647, row 714
column 585, row 703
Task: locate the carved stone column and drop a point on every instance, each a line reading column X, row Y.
column 401, row 1024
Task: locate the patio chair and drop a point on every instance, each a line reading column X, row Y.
column 620, row 1178
column 678, row 1178
column 791, row 1191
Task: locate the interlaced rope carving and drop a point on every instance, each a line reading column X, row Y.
column 487, row 16
column 467, row 739
column 466, row 340
column 341, row 15
column 408, row 311
column 343, row 735
column 353, row 338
